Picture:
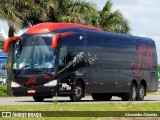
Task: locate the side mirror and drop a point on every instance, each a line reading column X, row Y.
column 7, row 42
column 55, row 39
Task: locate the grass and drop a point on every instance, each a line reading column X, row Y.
column 3, row 91
column 130, row 106
column 83, row 107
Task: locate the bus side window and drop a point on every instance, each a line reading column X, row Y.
column 62, row 56
column 70, row 46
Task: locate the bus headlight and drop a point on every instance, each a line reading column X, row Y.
column 14, row 84
column 51, row 83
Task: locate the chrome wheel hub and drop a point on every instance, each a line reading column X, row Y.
column 78, row 91
column 141, row 92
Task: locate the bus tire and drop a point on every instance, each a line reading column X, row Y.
column 78, row 93
column 38, row 98
column 141, row 92
column 131, row 95
column 101, row 97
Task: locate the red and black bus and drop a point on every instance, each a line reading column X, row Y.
column 68, row 59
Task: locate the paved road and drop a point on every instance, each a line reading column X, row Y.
column 63, row 100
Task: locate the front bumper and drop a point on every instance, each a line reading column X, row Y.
column 34, row 91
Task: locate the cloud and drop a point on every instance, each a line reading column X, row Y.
column 136, row 2
column 141, row 15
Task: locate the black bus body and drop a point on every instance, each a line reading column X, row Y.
column 84, row 61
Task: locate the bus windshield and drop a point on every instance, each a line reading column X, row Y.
column 33, row 54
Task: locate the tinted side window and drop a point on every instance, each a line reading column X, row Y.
column 95, row 50
column 70, row 46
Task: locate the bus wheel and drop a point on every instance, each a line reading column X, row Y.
column 141, row 92
column 101, row 97
column 78, row 93
column 131, row 95
column 38, row 98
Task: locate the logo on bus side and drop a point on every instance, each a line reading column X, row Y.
column 30, row 81
column 91, row 58
column 144, row 60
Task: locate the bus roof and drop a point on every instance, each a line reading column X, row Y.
column 50, row 26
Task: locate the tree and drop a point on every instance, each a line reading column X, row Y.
column 79, row 11
column 15, row 12
column 74, row 11
column 9, row 14
column 113, row 21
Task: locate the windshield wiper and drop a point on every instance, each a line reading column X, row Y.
column 18, row 72
column 50, row 74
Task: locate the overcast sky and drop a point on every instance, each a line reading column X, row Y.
column 143, row 16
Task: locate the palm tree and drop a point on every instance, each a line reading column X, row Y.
column 113, row 21
column 76, row 11
column 80, row 11
column 16, row 12
column 9, row 14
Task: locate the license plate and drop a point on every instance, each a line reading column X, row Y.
column 31, row 91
